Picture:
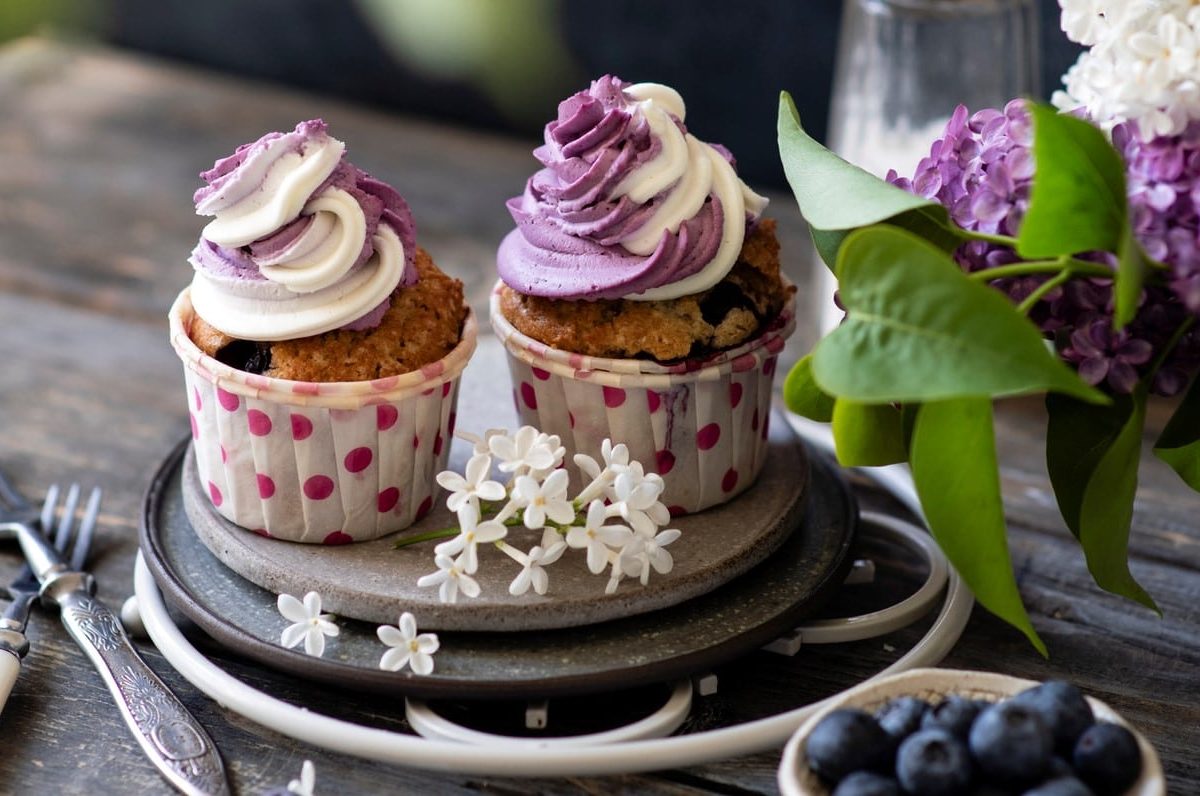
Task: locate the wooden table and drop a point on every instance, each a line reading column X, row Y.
column 98, row 155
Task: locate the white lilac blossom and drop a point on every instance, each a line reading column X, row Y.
column 450, row 579
column 616, row 461
column 545, row 500
column 481, row 444
column 308, row 623
column 307, row 781
column 407, row 647
column 635, row 499
column 597, row 537
column 1141, row 65
column 473, row 486
column 527, row 451
column 533, row 572
column 471, row 533
column 647, row 553
column 616, row 517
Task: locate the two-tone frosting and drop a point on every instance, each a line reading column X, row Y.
column 629, row 204
column 302, row 242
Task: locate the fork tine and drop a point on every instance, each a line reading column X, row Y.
column 67, row 518
column 83, row 540
column 48, row 508
column 9, row 496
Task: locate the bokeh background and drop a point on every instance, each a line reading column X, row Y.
column 504, row 64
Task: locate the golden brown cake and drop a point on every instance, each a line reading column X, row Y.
column 422, row 325
column 726, row 315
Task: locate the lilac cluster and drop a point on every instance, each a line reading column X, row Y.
column 981, row 170
column 1163, row 181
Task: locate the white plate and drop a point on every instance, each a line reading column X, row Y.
column 795, row 779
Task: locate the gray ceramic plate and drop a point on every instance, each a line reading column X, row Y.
column 660, row 646
column 371, row 580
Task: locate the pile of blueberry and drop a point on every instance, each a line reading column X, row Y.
column 1041, row 742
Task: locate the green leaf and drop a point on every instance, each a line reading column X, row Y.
column 1179, row 443
column 918, row 329
column 954, row 468
column 827, row 242
column 1098, row 491
column 1077, row 437
column 803, row 396
column 832, row 193
column 1078, row 200
column 932, row 226
column 1131, row 275
column 925, row 224
column 868, row 435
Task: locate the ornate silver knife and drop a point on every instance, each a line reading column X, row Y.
column 168, row 734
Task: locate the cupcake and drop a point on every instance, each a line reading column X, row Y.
column 321, row 346
column 641, row 296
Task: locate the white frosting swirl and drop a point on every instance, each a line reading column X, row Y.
column 266, row 310
column 282, row 182
column 293, row 251
column 324, row 252
column 691, row 170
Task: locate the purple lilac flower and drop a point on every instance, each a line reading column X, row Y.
column 981, row 170
column 1163, row 177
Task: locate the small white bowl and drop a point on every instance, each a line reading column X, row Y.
column 795, row 778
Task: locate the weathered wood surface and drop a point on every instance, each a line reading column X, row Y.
column 98, row 156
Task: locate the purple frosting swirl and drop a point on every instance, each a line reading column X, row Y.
column 567, row 244
column 226, row 184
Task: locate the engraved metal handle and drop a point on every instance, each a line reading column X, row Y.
column 169, row 735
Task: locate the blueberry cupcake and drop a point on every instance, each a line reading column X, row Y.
column 321, row 346
column 641, row 296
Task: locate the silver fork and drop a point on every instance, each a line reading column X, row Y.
column 25, row 588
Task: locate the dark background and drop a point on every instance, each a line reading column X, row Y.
column 504, row 64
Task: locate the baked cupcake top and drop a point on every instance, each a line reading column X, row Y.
column 302, row 241
column 628, row 205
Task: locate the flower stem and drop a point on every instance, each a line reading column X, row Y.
column 1170, row 346
column 1033, row 267
column 1003, row 240
column 1037, row 295
column 444, row 533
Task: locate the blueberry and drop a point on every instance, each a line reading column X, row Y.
column 865, row 783
column 848, row 740
column 954, row 714
column 1107, row 758
column 933, row 763
column 1063, row 708
column 902, row 717
column 1061, row 786
column 1059, row 768
column 1011, row 743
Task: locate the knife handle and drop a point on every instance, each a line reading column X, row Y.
column 10, row 667
column 168, row 734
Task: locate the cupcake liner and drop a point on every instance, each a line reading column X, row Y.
column 327, row 463
column 699, row 423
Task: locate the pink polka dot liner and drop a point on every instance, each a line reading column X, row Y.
column 702, row 424
column 325, row 463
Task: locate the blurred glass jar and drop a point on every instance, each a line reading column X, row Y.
column 903, row 66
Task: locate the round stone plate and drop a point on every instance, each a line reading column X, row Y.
column 724, row 623
column 373, row 580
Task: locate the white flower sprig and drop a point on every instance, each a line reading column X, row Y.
column 407, row 647
column 306, row 783
column 1142, row 64
column 616, row 518
column 308, row 623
